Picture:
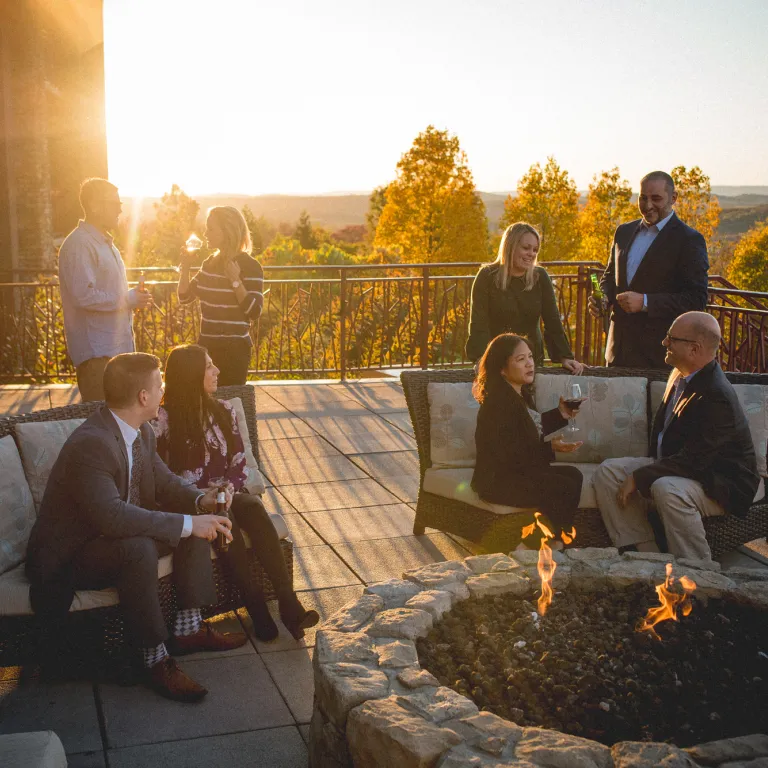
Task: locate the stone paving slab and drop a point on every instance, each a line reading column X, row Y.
column 241, row 697
column 316, row 497
column 320, row 568
column 14, row 402
column 361, row 434
column 301, row 532
column 381, row 398
column 281, row 427
column 320, row 399
column 325, row 601
column 274, row 501
column 388, row 558
column 405, row 487
column 68, row 708
column 87, row 760
column 270, row 748
column 291, row 672
column 310, row 469
column 296, row 448
column 345, row 525
column 388, row 464
column 64, row 395
column 400, row 419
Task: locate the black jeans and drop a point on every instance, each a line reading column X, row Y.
column 231, row 357
column 554, row 490
column 248, row 514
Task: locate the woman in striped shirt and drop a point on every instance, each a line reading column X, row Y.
column 230, row 288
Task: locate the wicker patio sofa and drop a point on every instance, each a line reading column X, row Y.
column 95, row 620
column 495, row 529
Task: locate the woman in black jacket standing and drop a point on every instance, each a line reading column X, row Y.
column 513, row 461
column 514, row 295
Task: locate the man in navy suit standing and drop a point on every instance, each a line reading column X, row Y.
column 657, row 271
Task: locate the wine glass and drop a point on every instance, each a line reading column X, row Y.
column 573, row 401
column 194, row 243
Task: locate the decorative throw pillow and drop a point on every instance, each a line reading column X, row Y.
column 613, row 421
column 754, row 401
column 17, row 511
column 39, row 445
column 255, row 481
column 452, row 421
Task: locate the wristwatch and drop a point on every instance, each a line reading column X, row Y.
column 235, row 283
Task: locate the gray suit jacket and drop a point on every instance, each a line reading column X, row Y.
column 86, row 497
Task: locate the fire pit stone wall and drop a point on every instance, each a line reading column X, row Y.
column 375, row 707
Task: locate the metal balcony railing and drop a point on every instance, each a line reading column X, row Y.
column 337, row 321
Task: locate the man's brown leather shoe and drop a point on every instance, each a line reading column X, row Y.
column 207, row 639
column 168, row 680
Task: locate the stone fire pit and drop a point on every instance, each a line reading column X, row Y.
column 375, row 706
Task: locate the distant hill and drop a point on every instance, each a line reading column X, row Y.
column 742, row 206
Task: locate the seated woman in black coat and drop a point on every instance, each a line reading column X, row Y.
column 513, row 461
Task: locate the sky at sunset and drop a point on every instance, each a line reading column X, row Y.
column 290, row 97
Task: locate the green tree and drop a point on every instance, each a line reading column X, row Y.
column 696, row 205
column 376, row 203
column 548, row 199
column 608, row 205
column 284, row 251
column 750, row 257
column 262, row 230
column 304, row 232
column 432, row 210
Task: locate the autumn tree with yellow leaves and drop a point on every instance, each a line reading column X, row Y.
column 432, row 210
column 750, row 257
column 696, row 205
column 609, row 203
column 547, row 198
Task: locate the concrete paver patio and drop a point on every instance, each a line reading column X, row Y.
column 341, row 463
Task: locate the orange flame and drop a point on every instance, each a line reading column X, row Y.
column 546, row 566
column 670, row 601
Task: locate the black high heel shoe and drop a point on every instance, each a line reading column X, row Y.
column 301, row 621
column 264, row 626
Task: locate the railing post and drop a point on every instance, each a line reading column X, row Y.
column 424, row 352
column 343, row 324
column 579, row 311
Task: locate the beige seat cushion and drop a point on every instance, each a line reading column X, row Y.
column 255, row 481
column 17, row 510
column 14, row 587
column 452, row 421
column 613, row 420
column 34, row 749
column 40, row 443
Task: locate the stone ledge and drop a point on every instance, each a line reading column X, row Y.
column 374, row 705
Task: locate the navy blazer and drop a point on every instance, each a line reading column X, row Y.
column 87, row 496
column 673, row 274
column 708, row 440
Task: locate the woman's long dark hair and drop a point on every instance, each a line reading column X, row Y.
column 489, row 368
column 189, row 407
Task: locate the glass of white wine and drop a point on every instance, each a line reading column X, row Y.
column 194, row 243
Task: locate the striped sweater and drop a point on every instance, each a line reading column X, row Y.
column 222, row 315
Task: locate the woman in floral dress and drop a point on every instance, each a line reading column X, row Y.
column 198, row 438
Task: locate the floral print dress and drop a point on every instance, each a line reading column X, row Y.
column 218, row 465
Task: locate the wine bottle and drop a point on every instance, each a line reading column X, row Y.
column 221, row 509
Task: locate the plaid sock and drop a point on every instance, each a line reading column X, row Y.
column 154, row 655
column 188, row 622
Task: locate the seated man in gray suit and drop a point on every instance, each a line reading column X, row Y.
column 703, row 461
column 99, row 525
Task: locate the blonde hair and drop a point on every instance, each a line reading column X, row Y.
column 508, row 245
column 237, row 236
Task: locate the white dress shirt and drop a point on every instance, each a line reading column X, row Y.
column 639, row 247
column 95, row 299
column 130, row 435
